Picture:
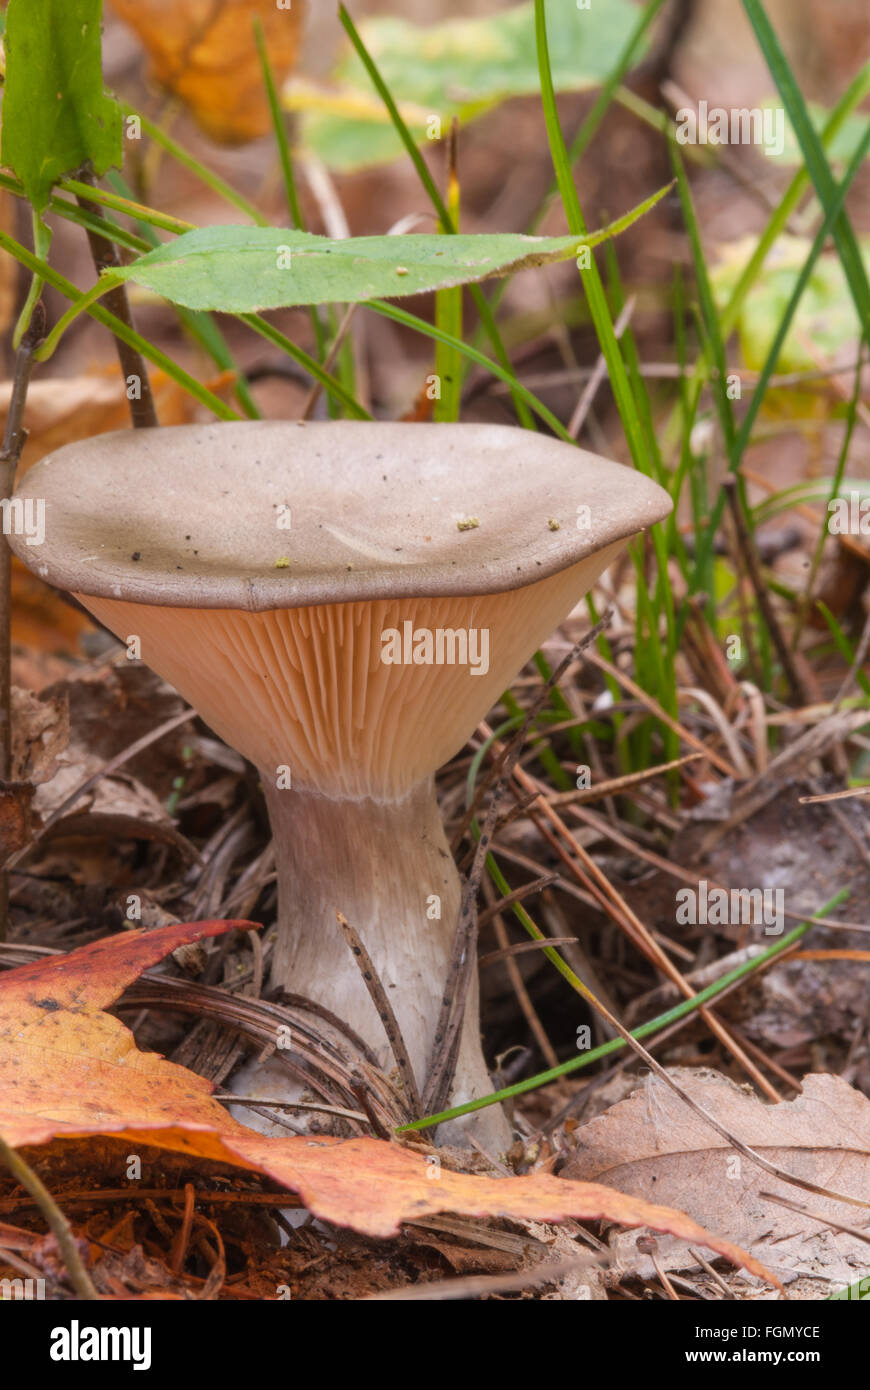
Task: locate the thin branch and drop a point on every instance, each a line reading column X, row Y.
column 815, row 1216
column 378, row 996
column 524, row 891
column 515, row 743
column 464, row 958
column 519, row 948
column 106, row 256
column 790, row 666
column 14, row 437
column 60, row 1227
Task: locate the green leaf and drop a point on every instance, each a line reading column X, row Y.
column 825, row 323
column 240, row 269
column 461, row 67
column 56, row 115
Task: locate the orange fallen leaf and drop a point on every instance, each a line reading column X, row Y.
column 68, row 1070
column 204, row 52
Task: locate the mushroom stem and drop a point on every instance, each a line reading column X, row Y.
column 387, row 867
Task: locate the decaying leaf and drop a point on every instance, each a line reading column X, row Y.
column 68, row 1070
column 653, row 1146
column 40, row 733
column 204, row 52
column 460, row 67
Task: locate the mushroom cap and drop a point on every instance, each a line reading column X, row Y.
column 196, row 516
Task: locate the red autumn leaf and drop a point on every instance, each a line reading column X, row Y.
column 69, row 1070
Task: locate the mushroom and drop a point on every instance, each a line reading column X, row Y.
column 342, row 603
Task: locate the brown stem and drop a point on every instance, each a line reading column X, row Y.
column 14, row 436
column 107, row 257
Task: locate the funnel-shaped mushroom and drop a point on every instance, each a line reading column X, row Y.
column 342, row 603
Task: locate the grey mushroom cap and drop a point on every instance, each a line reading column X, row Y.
column 261, row 515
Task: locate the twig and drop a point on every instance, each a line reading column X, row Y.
column 60, row 1227
column 14, row 437
column 523, row 997
column 328, row 361
column 475, row 1285
column 230, row 1098
column 599, row 372
column 378, row 996
column 814, row 1216
column 623, row 679
column 648, row 1245
column 616, row 785
column 588, row 874
column 526, row 890
column 519, row 948
column 793, row 675
column 182, row 1239
column 834, row 796
column 107, row 257
column 360, row 1092
column 854, row 670
column 463, row 960
column 517, row 739
column 714, row 1274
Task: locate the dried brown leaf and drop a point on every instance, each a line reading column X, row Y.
column 653, row 1145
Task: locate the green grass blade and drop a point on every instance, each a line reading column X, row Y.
column 596, row 113
column 814, row 156
column 286, row 158
column 195, row 166
column 842, row 643
column 705, row 296
column 201, row 326
column 591, row 278
column 743, row 436
column 138, row 211
column 655, row 1025
column 392, row 311
column 329, row 383
column 837, row 481
column 486, row 316
column 857, row 90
